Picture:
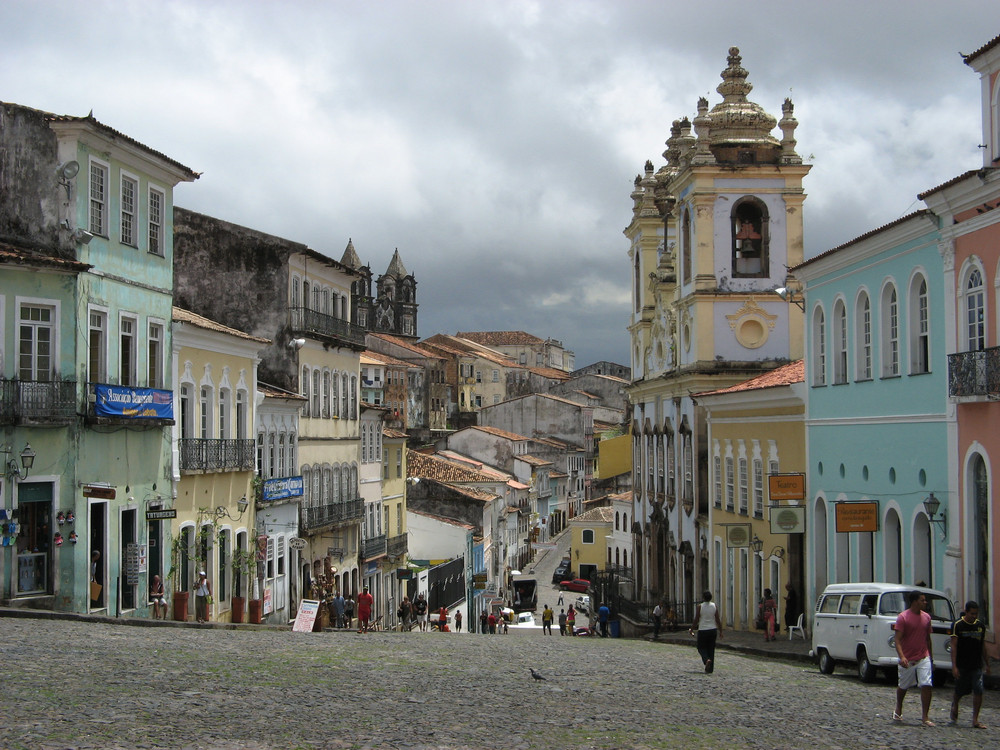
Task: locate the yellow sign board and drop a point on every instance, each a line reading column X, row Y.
column 786, row 487
column 857, row 517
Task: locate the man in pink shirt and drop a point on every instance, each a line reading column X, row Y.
column 913, row 646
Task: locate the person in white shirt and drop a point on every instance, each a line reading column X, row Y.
column 706, row 619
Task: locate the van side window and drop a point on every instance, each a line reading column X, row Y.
column 892, row 603
column 849, row 604
column 829, row 604
column 868, row 604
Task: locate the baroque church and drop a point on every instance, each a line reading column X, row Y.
column 712, row 234
column 390, row 306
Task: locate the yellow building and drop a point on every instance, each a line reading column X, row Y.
column 589, row 534
column 756, row 433
column 215, row 372
column 712, row 234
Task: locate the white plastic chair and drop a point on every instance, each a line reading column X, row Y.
column 798, row 628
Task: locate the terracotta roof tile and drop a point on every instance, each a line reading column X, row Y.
column 865, row 236
column 441, row 470
column 385, row 359
column 603, row 514
column 442, row 519
column 394, row 434
column 549, row 372
column 501, row 338
column 533, row 460
column 789, row 374
column 498, row 432
column 199, row 321
column 273, row 391
column 38, row 256
column 982, row 50
column 407, row 344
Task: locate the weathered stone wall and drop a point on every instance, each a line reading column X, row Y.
column 30, row 194
column 238, row 277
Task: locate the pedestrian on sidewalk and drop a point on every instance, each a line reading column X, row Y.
column 709, row 629
column 202, row 593
column 657, row 618
column 547, row 616
column 562, row 622
column 968, row 661
column 768, row 610
column 484, row 620
column 913, row 646
column 458, row 621
column 420, row 609
column 349, row 612
column 603, row 615
column 156, row 596
column 338, row 609
column 571, row 620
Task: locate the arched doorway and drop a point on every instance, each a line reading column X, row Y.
column 820, row 559
column 923, row 551
column 893, row 548
column 978, row 491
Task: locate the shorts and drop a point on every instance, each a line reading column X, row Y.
column 421, row 618
column 920, row 674
column 969, row 681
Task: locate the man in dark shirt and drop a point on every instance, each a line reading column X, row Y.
column 968, row 660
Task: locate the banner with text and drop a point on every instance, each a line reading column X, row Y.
column 133, row 403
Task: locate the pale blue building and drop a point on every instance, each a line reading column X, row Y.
column 878, row 419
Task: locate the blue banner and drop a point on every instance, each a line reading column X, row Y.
column 282, row 487
column 133, row 403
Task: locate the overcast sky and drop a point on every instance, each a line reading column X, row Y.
column 495, row 143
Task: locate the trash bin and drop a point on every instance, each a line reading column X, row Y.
column 614, row 627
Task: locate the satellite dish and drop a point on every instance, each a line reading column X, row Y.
column 68, row 170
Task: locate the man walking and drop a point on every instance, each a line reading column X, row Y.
column 562, row 622
column 420, row 609
column 338, row 609
column 968, row 661
column 913, row 646
column 657, row 619
column 547, row 616
column 603, row 615
column 365, row 604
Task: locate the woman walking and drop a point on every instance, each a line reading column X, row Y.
column 709, row 626
column 768, row 611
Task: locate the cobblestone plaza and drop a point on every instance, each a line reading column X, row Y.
column 91, row 684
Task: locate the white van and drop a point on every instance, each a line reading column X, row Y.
column 854, row 622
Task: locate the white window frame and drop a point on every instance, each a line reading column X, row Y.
column 973, row 323
column 185, row 410
column 758, row 488
column 98, row 183
column 840, row 342
column 225, row 413
column 889, row 343
column 101, row 315
column 206, row 402
column 730, row 468
column 919, row 326
column 128, row 357
column 155, row 346
column 128, row 208
column 863, row 337
column 818, row 346
column 53, row 325
column 156, row 212
column 744, row 485
column 241, row 420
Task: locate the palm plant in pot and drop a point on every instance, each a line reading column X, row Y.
column 244, row 567
column 180, row 560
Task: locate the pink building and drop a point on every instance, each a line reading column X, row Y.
column 969, row 211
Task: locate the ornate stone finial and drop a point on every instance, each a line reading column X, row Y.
column 649, row 193
column 788, row 124
column 649, row 167
column 702, row 126
column 350, row 257
column 686, row 141
column 672, row 154
column 736, row 121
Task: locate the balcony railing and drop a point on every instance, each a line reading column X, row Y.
column 374, row 547
column 37, row 401
column 972, row 374
column 317, row 517
column 209, row 454
column 304, row 320
column 396, row 546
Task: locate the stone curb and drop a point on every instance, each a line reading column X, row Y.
column 44, row 614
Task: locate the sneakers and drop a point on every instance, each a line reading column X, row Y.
column 709, row 666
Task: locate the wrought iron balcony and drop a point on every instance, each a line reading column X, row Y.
column 396, row 546
column 310, row 322
column 318, row 517
column 373, row 547
column 209, row 454
column 35, row 401
column 974, row 375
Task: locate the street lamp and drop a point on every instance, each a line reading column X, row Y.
column 11, row 470
column 757, row 544
column 931, row 505
column 242, row 504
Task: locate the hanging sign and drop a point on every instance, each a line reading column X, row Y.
column 786, row 487
column 738, row 535
column 857, row 517
column 133, row 403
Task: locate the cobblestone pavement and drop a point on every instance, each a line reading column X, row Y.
column 90, row 683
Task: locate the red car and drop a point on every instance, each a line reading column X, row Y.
column 580, row 585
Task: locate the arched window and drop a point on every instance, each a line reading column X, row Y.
column 326, row 394
column 893, row 548
column 305, row 391
column 317, row 393
column 344, row 393
column 637, row 279
column 686, row 240
column 334, row 397
column 919, row 327
column 890, row 332
column 818, row 347
column 750, row 238
column 975, row 309
column 840, row 342
column 863, row 338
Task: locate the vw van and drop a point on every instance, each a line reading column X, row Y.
column 854, row 623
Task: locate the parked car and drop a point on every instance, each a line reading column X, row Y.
column 562, row 571
column 582, row 603
column 580, row 585
column 854, row 624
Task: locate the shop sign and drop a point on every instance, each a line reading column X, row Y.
column 738, row 535
column 297, row 543
column 788, row 519
column 786, row 487
column 306, row 616
column 100, row 491
column 853, row 517
column 160, row 515
column 281, row 487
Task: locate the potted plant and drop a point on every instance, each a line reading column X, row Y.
column 244, row 565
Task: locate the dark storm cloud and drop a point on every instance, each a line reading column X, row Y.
column 495, row 143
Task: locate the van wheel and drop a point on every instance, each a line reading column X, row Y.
column 866, row 670
column 826, row 662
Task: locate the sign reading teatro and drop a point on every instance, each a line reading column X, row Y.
column 133, row 403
